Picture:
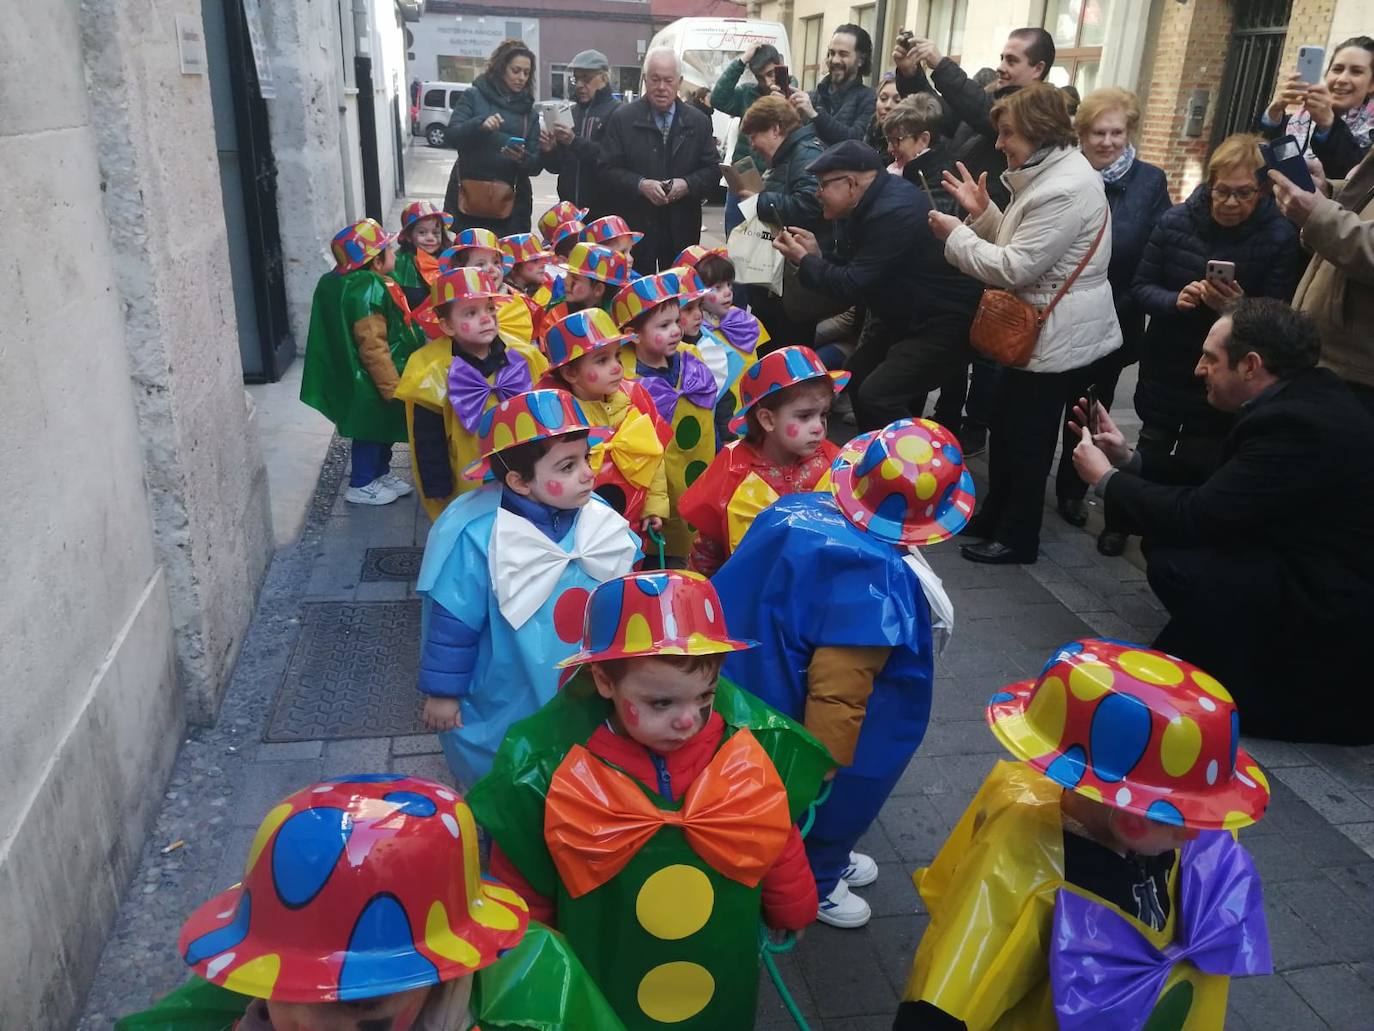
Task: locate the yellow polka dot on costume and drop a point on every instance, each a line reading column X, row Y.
column 274, row 819
column 1257, row 775
column 1179, row 746
column 256, row 977
column 925, row 485
column 1152, row 668
column 890, row 469
column 1090, row 680
column 915, row 449
column 1211, row 685
column 1088, row 791
column 638, row 637
column 675, row 902
column 1046, row 712
column 1235, row 820
column 501, row 437
column 525, row 429
column 673, row 992
column 860, row 487
column 440, row 939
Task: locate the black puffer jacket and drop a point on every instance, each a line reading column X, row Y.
column 931, row 165
column 1137, row 200
column 577, row 163
column 789, row 190
column 1268, row 262
column 843, row 113
column 479, row 151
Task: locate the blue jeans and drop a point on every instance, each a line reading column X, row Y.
column 369, row 460
column 853, row 805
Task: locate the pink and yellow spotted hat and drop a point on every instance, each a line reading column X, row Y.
column 419, row 209
column 691, row 255
column 523, row 247
column 641, row 296
column 563, row 211
column 667, row 612
column 1135, row 729
column 572, row 228
column 785, row 367
column 604, row 230
column 599, row 263
column 354, row 246
column 905, row 483
column 525, row 418
column 464, row 284
column 472, row 239
column 579, row 334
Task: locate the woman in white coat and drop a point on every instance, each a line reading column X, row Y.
column 1057, row 208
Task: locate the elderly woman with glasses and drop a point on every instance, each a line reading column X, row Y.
column 1230, row 218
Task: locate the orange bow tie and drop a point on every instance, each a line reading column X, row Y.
column 734, row 816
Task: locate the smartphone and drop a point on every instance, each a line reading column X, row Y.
column 1091, row 394
column 1285, row 155
column 1311, row 64
column 782, row 79
column 1221, row 271
column 515, row 141
column 905, row 38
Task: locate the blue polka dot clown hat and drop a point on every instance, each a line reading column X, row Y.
column 525, row 418
column 905, row 483
column 580, row 334
column 668, row 612
column 785, row 367
column 417, row 210
column 563, row 211
column 354, row 246
column 357, row 887
column 1134, row 729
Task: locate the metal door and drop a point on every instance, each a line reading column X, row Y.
column 1252, row 64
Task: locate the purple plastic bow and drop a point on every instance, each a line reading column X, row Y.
column 469, row 391
column 1107, row 977
column 694, row 382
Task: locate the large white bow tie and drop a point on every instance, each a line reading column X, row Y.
column 525, row 565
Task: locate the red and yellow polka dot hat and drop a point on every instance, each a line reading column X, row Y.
column 691, row 287
column 599, row 263
column 905, row 483
column 666, row 612
column 785, row 367
column 579, row 334
column 610, row 227
column 419, row 209
column 691, row 255
column 354, row 246
column 563, row 211
column 643, row 295
column 464, row 284
column 572, row 228
column 356, row 887
column 1134, row 729
column 524, row 418
column 522, row 247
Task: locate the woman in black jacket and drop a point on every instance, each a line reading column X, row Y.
column 496, row 132
column 1334, row 117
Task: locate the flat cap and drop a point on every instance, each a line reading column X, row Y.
column 590, row 61
column 847, row 156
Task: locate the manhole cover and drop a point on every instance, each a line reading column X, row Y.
column 352, row 674
column 392, row 564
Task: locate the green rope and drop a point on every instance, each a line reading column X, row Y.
column 657, row 538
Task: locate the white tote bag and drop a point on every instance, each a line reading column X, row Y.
column 750, row 247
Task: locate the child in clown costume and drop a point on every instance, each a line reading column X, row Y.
column 452, row 380
column 591, row 276
column 846, row 607
column 739, row 329
column 554, row 288
column 584, row 359
column 405, row 934
column 614, row 232
column 506, row 574
column 709, row 348
column 526, row 260
column 1098, row 884
column 361, row 336
column 423, row 237
column 650, row 809
column 681, row 385
column 784, row 414
column 516, row 316
column 550, row 220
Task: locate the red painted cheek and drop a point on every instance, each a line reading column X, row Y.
column 592, row 377
column 631, row 714
column 793, row 430
column 554, row 488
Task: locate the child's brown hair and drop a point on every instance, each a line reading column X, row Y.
column 616, row 669
column 715, row 269
column 821, row 387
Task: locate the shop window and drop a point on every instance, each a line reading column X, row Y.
column 810, row 51
column 1079, row 28
column 945, row 26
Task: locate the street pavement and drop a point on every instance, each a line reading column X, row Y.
column 1315, row 848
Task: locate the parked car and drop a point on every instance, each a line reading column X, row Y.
column 436, row 103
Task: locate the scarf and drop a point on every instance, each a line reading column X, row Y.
column 1359, row 120
column 1120, row 166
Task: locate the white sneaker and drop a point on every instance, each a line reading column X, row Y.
column 842, row 909
column 397, row 485
column 861, row 871
column 375, row 493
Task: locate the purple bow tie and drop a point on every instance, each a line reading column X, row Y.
column 469, row 391
column 694, row 382
column 1107, row 977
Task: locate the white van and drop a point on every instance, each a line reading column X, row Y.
column 704, row 46
column 436, row 103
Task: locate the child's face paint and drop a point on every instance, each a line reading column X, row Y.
column 658, row 335
column 1143, row 836
column 563, row 478
column 631, row 713
column 581, row 291
column 595, row 376
column 385, row 1013
column 657, row 704
column 689, row 320
column 528, row 274
column 472, row 325
column 797, row 427
column 718, row 299
column 428, row 235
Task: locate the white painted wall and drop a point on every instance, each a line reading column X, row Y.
column 1351, row 18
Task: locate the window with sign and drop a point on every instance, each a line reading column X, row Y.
column 1078, row 28
column 811, row 51
column 945, row 26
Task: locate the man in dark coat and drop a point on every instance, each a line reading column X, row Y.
column 660, row 162
column 1267, row 566
column 575, row 154
column 886, row 259
column 841, row 106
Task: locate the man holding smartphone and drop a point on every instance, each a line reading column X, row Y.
column 732, row 97
column 575, row 153
column 841, row 106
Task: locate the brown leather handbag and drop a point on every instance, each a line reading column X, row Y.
column 486, row 198
column 1006, row 328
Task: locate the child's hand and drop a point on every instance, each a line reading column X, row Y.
column 442, row 714
column 653, row 523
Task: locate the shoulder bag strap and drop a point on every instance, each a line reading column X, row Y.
column 1045, row 314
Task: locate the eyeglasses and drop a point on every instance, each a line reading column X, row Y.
column 586, row 78
column 1243, row 195
column 835, row 179
column 892, row 141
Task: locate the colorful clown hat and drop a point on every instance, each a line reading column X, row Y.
column 643, row 295
column 357, row 887
column 692, row 255
column 522, row 247
column 464, row 284
column 573, row 228
column 581, row 333
column 1135, row 729
column 604, row 230
column 563, row 211
column 354, row 246
column 691, row 287
column 667, row 612
column 419, row 209
column 785, row 367
column 525, row 418
column 470, row 239
column 905, row 483
column 599, row 263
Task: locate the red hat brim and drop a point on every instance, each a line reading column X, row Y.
column 739, row 422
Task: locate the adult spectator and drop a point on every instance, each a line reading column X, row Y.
column 841, row 106
column 1267, row 565
column 732, row 97
column 660, row 162
column 788, row 197
column 919, row 155
column 1138, row 194
column 885, row 101
column 885, row 258
column 575, row 153
column 1057, row 219
column 1333, row 117
column 489, row 187
column 1230, row 218
column 1334, row 290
